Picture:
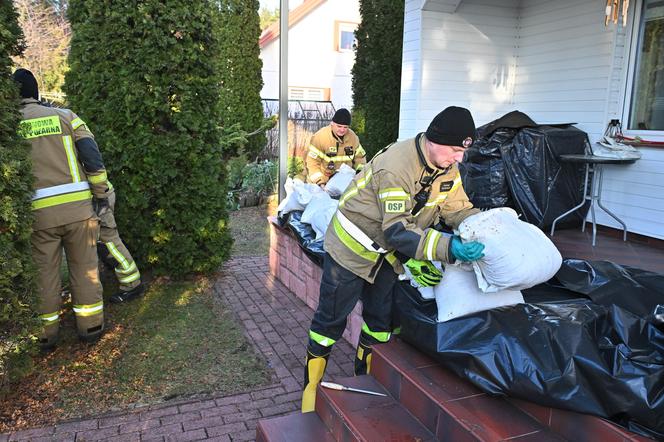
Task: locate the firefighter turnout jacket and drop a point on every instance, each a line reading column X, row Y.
column 327, row 152
column 66, row 163
column 376, row 218
column 68, row 171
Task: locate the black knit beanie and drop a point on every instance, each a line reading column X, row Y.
column 342, row 116
column 454, row 126
column 28, row 83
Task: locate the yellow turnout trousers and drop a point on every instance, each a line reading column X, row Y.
column 79, row 240
column 126, row 270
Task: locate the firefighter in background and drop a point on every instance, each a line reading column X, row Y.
column 68, row 172
column 383, row 224
column 333, row 146
column 114, row 253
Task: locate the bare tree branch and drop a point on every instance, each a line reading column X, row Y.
column 47, row 36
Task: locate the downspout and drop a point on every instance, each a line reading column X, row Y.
column 283, row 97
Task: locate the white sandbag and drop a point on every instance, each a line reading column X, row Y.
column 458, row 295
column 319, row 212
column 517, row 254
column 298, row 195
column 337, row 185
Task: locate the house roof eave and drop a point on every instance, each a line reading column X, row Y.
column 271, row 33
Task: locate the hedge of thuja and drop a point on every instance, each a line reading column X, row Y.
column 17, row 276
column 241, row 76
column 146, row 77
column 377, row 73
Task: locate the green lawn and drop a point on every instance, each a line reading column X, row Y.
column 175, row 341
column 250, row 230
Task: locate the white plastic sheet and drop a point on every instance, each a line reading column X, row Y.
column 319, row 212
column 298, row 195
column 609, row 148
column 340, row 181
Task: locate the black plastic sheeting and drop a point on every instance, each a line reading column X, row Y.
column 515, row 163
column 596, row 346
column 305, row 234
column 483, row 171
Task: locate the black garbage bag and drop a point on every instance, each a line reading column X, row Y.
column 482, row 169
column 514, row 163
column 542, row 187
column 483, row 172
column 306, row 236
column 593, row 356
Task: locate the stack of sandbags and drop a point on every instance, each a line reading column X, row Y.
column 517, row 255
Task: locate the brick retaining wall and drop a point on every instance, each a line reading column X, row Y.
column 290, row 265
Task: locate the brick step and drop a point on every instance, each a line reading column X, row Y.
column 296, row 427
column 454, row 409
column 361, row 417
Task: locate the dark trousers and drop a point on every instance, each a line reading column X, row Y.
column 340, row 290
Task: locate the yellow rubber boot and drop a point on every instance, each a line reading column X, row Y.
column 313, row 373
column 363, row 359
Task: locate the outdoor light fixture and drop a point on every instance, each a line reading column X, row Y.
column 613, row 9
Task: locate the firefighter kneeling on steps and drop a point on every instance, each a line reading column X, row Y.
column 68, row 172
column 384, row 222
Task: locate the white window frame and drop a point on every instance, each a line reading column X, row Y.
column 343, row 26
column 650, row 135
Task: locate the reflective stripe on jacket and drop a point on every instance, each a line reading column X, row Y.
column 326, row 153
column 379, row 203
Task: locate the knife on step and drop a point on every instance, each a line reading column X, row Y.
column 340, row 387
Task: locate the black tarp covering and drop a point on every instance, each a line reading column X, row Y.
column 597, row 348
column 514, row 163
column 541, row 186
column 306, row 236
column 483, row 171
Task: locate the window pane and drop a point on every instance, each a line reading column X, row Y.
column 647, row 106
column 346, row 40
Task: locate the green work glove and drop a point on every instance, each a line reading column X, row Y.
column 470, row 251
column 424, row 272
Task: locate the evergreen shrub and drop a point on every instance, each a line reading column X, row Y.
column 241, row 76
column 17, row 275
column 146, row 77
column 377, row 73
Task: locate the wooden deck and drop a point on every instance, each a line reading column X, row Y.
column 637, row 251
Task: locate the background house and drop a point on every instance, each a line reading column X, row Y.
column 321, row 56
column 555, row 61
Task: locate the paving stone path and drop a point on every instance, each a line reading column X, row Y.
column 275, row 321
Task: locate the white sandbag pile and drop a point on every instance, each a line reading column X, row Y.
column 298, row 195
column 319, row 212
column 517, row 255
column 317, row 204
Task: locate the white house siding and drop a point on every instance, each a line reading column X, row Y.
column 313, row 61
column 573, row 68
column 565, row 59
column 464, row 58
column 563, row 65
column 411, row 68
